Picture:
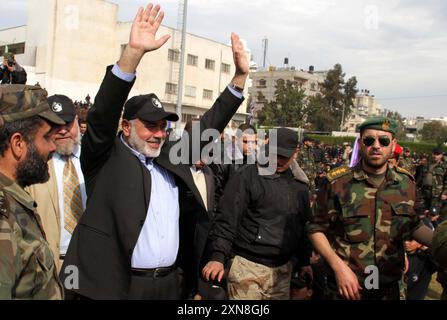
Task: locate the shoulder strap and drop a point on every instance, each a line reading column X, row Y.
column 402, row 170
column 338, row 172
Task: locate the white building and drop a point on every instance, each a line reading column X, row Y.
column 415, row 125
column 67, row 44
column 263, row 86
column 365, row 105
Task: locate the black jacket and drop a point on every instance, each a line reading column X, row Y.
column 18, row 76
column 261, row 218
column 118, row 189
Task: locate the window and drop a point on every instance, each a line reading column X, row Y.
column 280, row 82
column 207, row 94
column 262, row 83
column 260, row 98
column 174, row 55
column 190, row 91
column 16, row 48
column 225, row 68
column 192, row 60
column 209, row 64
column 171, row 88
column 189, row 117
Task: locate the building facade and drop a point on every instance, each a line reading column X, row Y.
column 66, row 46
column 263, row 83
column 365, row 105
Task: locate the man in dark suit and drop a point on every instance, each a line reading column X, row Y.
column 130, row 242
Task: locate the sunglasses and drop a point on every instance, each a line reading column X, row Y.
column 383, row 140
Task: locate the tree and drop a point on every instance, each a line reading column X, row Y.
column 350, row 91
column 288, row 109
column 401, row 133
column 434, row 131
column 328, row 109
column 318, row 116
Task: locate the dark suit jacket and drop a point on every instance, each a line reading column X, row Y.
column 118, row 189
column 198, row 228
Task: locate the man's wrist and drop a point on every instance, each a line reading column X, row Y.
column 235, row 87
column 239, row 80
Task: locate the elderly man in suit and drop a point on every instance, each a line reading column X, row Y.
column 129, row 242
column 61, row 200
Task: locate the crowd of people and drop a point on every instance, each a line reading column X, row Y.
column 89, row 214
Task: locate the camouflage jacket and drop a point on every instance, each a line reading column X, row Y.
column 307, row 162
column 365, row 225
column 438, row 170
column 439, row 247
column 407, row 164
column 27, row 268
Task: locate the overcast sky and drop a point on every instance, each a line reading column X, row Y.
column 397, row 49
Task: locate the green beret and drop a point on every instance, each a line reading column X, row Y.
column 379, row 123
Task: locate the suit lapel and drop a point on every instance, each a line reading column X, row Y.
column 209, row 179
column 53, row 192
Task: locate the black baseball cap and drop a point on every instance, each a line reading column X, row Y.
column 287, row 142
column 437, row 150
column 147, row 107
column 307, row 139
column 62, row 106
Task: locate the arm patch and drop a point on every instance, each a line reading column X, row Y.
column 338, row 172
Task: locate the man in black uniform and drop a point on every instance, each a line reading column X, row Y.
column 261, row 219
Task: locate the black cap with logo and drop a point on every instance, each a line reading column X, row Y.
column 63, row 106
column 148, row 108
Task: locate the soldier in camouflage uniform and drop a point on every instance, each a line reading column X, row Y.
column 406, row 162
column 440, row 254
column 362, row 217
column 306, row 161
column 27, row 268
column 435, row 179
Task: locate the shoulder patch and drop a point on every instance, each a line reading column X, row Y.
column 338, row 172
column 402, row 170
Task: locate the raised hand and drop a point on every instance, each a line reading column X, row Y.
column 144, row 29
column 240, row 61
column 142, row 37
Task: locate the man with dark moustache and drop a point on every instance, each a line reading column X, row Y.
column 362, row 217
column 27, row 268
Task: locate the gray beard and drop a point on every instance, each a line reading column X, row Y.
column 68, row 148
column 141, row 146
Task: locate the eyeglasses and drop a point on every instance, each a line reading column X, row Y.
column 383, row 140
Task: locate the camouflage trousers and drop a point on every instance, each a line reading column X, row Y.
column 248, row 280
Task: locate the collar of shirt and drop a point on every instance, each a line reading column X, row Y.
column 390, row 175
column 195, row 170
column 148, row 162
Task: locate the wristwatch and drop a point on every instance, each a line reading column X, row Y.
column 235, row 87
